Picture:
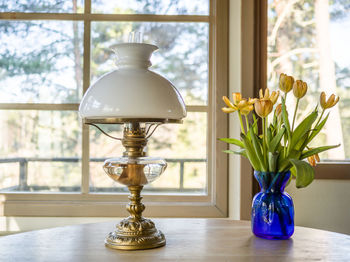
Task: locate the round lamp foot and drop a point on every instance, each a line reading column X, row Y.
column 135, row 235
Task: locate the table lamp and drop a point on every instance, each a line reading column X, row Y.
column 141, row 100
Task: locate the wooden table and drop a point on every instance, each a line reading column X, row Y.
column 187, row 240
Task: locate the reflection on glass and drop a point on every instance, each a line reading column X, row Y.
column 40, row 151
column 43, row 6
column 308, row 39
column 160, row 7
column 184, row 146
column 182, row 56
column 41, row 61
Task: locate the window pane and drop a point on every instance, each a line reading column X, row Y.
column 184, row 146
column 160, row 7
column 182, row 56
column 43, row 6
column 41, row 61
column 309, row 39
column 40, row 150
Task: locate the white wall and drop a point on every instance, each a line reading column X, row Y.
column 325, row 204
column 234, row 86
column 10, row 225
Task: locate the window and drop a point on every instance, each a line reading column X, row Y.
column 307, row 39
column 50, row 163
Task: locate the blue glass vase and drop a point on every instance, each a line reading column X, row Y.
column 272, row 208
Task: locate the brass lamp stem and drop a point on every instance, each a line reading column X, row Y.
column 135, row 207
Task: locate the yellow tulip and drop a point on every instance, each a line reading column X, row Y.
column 236, row 97
column 263, row 107
column 332, row 101
column 274, row 96
column 243, row 103
column 239, row 103
column 246, row 110
column 299, row 89
column 251, row 101
column 286, row 83
column 231, row 107
column 266, row 95
column 228, row 110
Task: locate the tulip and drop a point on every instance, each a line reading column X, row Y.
column 236, row 97
column 246, row 110
column 251, row 101
column 239, row 104
column 231, row 107
column 278, row 109
column 274, row 96
column 317, row 158
column 286, row 83
column 332, row 101
column 299, row 89
column 266, row 95
column 311, row 160
column 263, row 107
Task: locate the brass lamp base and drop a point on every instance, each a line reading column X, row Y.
column 134, row 235
column 135, row 232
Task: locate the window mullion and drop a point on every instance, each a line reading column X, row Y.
column 85, row 176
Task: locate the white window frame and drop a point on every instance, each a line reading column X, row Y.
column 84, row 203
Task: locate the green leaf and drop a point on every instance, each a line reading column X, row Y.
column 317, row 150
column 269, row 136
column 284, row 164
column 251, row 154
column 304, row 173
column 272, row 146
column 285, row 119
column 303, row 128
column 252, row 127
column 302, row 142
column 273, row 157
column 233, row 141
column 258, row 150
column 241, row 152
column 318, row 128
column 255, row 126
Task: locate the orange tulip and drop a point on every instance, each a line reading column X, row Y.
column 311, row 160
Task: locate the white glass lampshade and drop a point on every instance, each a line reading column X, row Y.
column 132, row 91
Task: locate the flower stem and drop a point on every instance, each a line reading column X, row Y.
column 247, row 122
column 320, row 117
column 295, row 113
column 241, row 121
column 264, row 127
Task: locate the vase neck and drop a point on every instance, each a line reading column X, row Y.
column 134, row 55
column 271, row 182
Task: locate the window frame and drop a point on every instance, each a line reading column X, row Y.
column 84, row 203
column 335, row 170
